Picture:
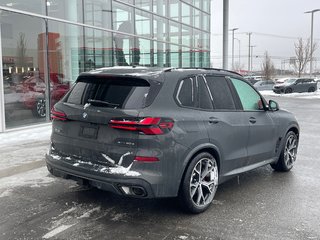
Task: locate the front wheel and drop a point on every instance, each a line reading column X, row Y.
column 39, row 109
column 199, row 184
column 288, row 90
column 288, row 154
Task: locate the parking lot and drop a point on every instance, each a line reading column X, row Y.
column 261, row 204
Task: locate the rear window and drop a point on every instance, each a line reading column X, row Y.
column 122, row 93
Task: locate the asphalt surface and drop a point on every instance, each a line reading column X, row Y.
column 261, row 204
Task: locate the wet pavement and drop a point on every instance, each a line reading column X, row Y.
column 261, row 204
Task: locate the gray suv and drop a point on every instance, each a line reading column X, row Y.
column 154, row 133
column 296, row 85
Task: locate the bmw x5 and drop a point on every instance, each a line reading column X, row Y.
column 154, row 133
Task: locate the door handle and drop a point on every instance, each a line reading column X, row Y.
column 213, row 120
column 252, row 120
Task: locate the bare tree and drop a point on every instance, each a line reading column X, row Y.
column 267, row 67
column 21, row 50
column 238, row 66
column 303, row 53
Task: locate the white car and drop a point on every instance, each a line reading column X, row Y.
column 264, row 85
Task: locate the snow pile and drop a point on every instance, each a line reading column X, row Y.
column 305, row 95
column 34, row 178
column 37, row 133
column 122, row 170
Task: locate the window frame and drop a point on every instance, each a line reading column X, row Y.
column 177, row 90
column 208, row 91
column 234, row 94
column 237, row 97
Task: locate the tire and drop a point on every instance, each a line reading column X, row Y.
column 288, row 153
column 311, row 89
column 196, row 192
column 288, row 90
column 39, row 109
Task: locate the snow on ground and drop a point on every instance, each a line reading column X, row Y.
column 23, row 146
column 35, row 178
column 305, row 95
column 36, row 133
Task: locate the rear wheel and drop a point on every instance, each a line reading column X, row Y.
column 311, row 89
column 288, row 90
column 199, row 184
column 288, row 154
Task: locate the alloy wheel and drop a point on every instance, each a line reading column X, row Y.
column 290, row 150
column 41, row 107
column 204, row 182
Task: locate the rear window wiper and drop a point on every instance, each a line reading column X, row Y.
column 102, row 103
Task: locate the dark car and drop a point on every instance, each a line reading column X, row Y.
column 296, row 85
column 152, row 133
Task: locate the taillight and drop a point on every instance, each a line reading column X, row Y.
column 147, row 125
column 58, row 115
column 146, row 159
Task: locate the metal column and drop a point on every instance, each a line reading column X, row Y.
column 2, row 112
column 225, row 33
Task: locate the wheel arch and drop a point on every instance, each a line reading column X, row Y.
column 210, row 148
column 293, row 128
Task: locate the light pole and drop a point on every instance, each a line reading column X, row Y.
column 233, row 29
column 249, row 52
column 239, row 42
column 311, row 39
column 251, row 48
column 225, row 33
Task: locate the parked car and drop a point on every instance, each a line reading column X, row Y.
column 296, row 85
column 282, row 80
column 253, row 79
column 264, row 85
column 154, row 133
column 33, row 94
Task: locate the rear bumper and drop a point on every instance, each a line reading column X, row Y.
column 118, row 180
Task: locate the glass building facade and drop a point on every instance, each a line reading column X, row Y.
column 45, row 44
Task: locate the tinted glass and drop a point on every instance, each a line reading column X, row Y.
column 221, row 94
column 248, row 96
column 119, row 93
column 205, row 101
column 185, row 94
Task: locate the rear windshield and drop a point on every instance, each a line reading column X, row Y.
column 122, row 93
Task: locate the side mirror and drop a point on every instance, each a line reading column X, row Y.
column 273, row 105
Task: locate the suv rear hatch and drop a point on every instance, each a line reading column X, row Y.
column 96, row 121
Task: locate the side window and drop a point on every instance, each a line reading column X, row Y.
column 205, row 100
column 185, row 93
column 220, row 92
column 248, row 96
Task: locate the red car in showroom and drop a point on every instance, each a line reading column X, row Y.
column 33, row 89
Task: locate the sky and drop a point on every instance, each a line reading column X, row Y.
column 275, row 25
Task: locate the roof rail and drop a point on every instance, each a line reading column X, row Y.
column 215, row 69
